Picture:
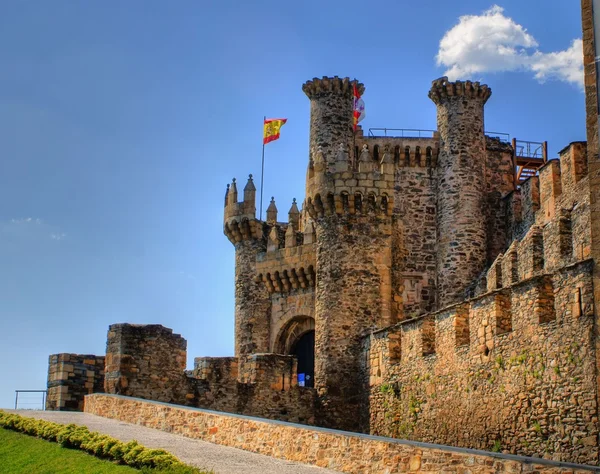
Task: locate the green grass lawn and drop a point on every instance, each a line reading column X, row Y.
column 20, row 453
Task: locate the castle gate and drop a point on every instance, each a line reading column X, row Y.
column 297, row 338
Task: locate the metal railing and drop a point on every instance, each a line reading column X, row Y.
column 531, row 149
column 424, row 133
column 421, row 133
column 31, row 404
column 503, row 137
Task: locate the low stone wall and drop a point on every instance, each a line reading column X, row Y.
column 345, row 452
column 71, row 377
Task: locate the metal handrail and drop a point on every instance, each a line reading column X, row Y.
column 503, row 137
column 43, row 392
column 529, row 149
column 402, row 130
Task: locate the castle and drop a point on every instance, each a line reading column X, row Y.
column 424, row 291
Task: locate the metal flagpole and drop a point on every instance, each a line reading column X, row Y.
column 262, row 170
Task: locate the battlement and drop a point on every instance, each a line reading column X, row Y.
column 518, row 349
column 442, row 89
column 413, row 152
column 326, row 85
column 288, row 268
column 540, row 298
column 240, row 221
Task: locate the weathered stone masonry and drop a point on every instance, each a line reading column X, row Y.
column 342, row 451
column 443, row 302
column 70, row 378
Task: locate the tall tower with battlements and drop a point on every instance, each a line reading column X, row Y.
column 252, row 301
column 350, row 206
column 461, row 225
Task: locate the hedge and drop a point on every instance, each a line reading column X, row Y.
column 100, row 445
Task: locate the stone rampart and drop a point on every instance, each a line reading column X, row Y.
column 264, row 385
column 512, row 370
column 342, row 451
column 149, row 362
column 71, row 377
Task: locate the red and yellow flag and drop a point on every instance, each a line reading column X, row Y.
column 271, row 129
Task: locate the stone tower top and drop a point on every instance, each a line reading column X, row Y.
column 326, row 85
column 441, row 89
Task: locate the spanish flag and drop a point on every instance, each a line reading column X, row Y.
column 271, row 129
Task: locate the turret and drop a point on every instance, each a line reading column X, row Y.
column 461, row 223
column 350, row 208
column 252, row 301
column 331, row 134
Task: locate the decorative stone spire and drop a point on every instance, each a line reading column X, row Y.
column 273, row 241
column 272, row 212
column 309, row 233
column 250, row 197
column 232, row 196
column 294, row 215
column 226, row 194
column 290, row 236
column 250, row 188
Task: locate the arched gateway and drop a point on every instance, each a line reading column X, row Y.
column 297, row 338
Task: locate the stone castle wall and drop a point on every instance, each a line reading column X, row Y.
column 344, row 452
column 70, row 378
column 148, row 361
column 511, row 370
column 514, row 368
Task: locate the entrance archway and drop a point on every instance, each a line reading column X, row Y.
column 304, row 350
column 297, row 338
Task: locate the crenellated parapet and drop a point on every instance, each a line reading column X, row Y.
column 351, row 201
column 402, row 152
column 328, row 85
column 240, row 221
column 475, row 326
column 442, row 89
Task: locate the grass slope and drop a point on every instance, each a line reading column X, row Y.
column 20, row 453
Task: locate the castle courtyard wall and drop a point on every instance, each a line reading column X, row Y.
column 342, row 451
column 513, row 370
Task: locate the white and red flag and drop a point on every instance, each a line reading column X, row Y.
column 359, row 108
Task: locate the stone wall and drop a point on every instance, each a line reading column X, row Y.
column 146, row 361
column 512, row 370
column 70, row 378
column 344, row 452
column 264, row 385
column 149, row 362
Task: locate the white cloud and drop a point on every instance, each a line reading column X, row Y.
column 493, row 42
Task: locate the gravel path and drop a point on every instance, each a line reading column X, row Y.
column 221, row 459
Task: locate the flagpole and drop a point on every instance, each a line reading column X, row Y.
column 262, row 170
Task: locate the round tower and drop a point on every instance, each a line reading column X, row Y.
column 461, row 223
column 351, row 215
column 331, row 107
column 252, row 300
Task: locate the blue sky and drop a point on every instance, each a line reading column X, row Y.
column 122, row 122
